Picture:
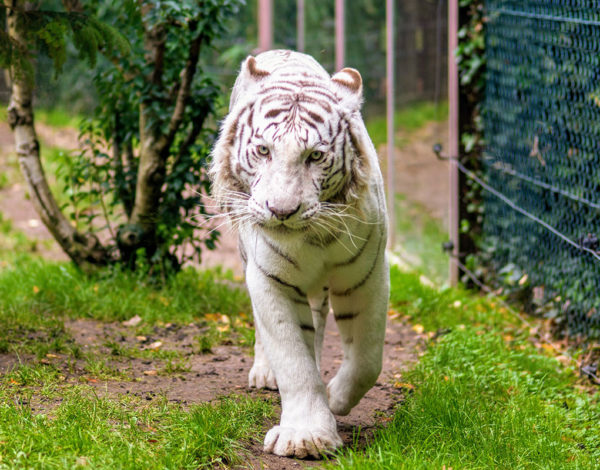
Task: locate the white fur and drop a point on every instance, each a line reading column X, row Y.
column 287, row 352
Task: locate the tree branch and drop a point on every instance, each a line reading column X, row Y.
column 155, row 43
column 183, row 94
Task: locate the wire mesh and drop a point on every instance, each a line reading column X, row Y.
column 542, row 129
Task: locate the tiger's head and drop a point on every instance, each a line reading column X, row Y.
column 293, row 148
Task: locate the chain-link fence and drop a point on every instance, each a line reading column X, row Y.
column 542, row 131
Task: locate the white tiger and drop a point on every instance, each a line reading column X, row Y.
column 298, row 175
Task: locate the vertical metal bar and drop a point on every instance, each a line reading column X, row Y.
column 340, row 34
column 391, row 189
column 265, row 25
column 300, row 26
column 453, row 137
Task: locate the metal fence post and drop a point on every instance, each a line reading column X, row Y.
column 300, row 26
column 389, row 21
column 339, row 35
column 265, row 25
column 453, row 138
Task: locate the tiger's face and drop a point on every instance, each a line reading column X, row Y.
column 294, row 161
column 286, row 157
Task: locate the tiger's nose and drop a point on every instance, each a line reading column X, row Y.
column 282, row 213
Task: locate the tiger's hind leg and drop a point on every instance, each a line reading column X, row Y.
column 320, row 309
column 360, row 316
column 261, row 375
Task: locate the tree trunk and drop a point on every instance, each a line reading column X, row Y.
column 83, row 249
column 155, row 145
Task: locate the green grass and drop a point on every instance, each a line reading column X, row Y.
column 482, row 398
column 443, row 308
column 421, row 237
column 407, row 120
column 58, row 117
column 31, row 287
column 12, row 240
column 36, row 296
column 88, row 431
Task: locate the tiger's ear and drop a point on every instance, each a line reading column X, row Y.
column 250, row 75
column 348, row 83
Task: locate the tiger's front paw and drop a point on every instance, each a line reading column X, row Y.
column 261, row 376
column 301, row 443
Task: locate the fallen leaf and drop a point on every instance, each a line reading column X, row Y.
column 404, row 385
column 141, row 339
column 548, row 347
column 82, row 461
column 50, row 355
column 133, row 321
column 217, row 317
column 150, row 372
column 418, row 328
column 155, row 345
column 92, row 380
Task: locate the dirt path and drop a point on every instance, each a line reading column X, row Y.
column 419, row 175
column 222, row 372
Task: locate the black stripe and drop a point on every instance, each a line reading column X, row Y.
column 321, row 242
column 281, row 281
column 307, row 328
column 300, row 301
column 283, row 255
column 250, row 115
column 315, row 117
column 270, row 89
column 359, row 284
column 356, row 256
column 345, row 316
column 276, row 112
column 242, row 250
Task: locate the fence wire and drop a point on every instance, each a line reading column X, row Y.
column 542, row 129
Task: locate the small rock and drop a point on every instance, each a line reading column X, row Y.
column 133, row 321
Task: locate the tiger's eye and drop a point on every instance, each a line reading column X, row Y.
column 263, row 150
column 315, row 155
